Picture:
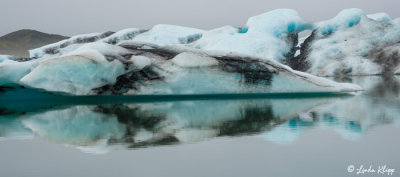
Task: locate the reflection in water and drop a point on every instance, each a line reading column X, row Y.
column 148, row 124
column 378, row 105
column 100, row 128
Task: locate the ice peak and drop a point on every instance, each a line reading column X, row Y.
column 277, row 22
column 346, row 18
column 383, row 17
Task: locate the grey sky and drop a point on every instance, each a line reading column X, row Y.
column 69, row 17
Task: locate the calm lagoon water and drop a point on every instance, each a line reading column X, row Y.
column 230, row 136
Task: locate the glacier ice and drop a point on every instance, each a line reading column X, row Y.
column 188, row 59
column 169, row 59
column 345, row 19
column 352, row 43
column 273, row 40
column 125, row 34
column 168, row 35
column 74, row 42
column 77, row 72
column 384, row 17
column 113, row 69
column 12, row 71
column 5, row 57
column 272, row 35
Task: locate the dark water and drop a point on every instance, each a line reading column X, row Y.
column 226, row 135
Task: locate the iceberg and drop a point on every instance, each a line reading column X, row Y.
column 169, row 59
column 115, row 69
column 74, row 73
column 125, row 34
column 168, row 35
column 12, row 71
column 383, row 17
column 272, row 35
column 67, row 45
column 352, row 43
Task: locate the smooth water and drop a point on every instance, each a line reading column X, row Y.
column 226, row 135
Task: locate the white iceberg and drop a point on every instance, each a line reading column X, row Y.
column 101, row 68
column 12, row 71
column 352, row 43
column 125, row 34
column 77, row 73
column 169, row 59
column 384, row 17
column 168, row 35
column 271, row 35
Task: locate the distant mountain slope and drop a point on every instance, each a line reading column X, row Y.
column 19, row 42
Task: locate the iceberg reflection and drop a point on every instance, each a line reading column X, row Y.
column 378, row 105
column 104, row 127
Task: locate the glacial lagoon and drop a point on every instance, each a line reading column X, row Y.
column 228, row 135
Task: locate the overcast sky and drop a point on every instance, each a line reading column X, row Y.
column 69, row 17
